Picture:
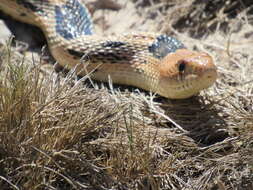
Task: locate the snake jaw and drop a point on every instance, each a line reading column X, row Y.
column 184, row 73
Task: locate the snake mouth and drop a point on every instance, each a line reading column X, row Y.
column 190, row 85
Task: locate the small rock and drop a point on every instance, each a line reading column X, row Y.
column 5, row 33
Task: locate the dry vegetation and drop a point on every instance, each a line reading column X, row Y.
column 60, row 133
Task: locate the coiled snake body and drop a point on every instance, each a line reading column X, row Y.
column 153, row 62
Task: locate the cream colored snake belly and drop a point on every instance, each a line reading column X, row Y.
column 154, row 62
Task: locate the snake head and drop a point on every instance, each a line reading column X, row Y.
column 184, row 73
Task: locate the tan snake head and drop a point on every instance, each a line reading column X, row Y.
column 184, row 73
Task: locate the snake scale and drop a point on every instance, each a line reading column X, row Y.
column 151, row 61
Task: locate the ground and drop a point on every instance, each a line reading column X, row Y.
column 58, row 132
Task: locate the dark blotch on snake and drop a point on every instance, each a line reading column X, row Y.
column 32, row 6
column 72, row 20
column 75, row 53
column 113, row 44
column 104, row 56
column 22, row 14
column 109, row 56
column 163, row 45
column 27, row 5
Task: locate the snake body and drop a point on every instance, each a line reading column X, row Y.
column 151, row 61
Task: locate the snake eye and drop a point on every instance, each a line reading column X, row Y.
column 181, row 66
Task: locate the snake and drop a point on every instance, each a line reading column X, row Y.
column 155, row 62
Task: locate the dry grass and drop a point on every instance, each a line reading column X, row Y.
column 59, row 133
